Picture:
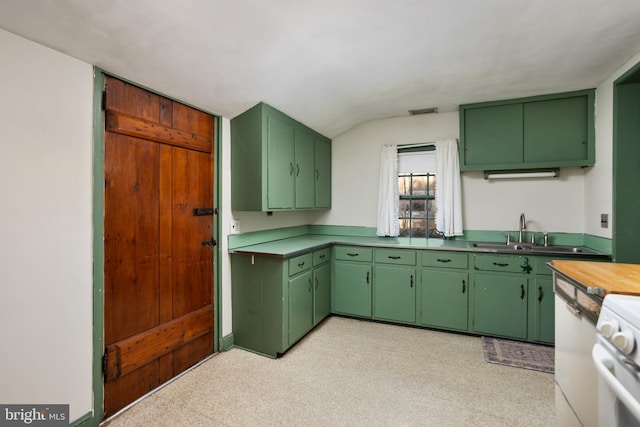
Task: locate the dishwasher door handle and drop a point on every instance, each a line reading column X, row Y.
column 604, row 363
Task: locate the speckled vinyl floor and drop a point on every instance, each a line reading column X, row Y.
column 349, row 372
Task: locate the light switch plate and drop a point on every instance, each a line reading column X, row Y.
column 604, row 220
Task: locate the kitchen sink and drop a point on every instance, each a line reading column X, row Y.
column 526, row 247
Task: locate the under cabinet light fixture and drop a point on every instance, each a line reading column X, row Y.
column 519, row 174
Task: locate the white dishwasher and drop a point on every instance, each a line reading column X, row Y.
column 576, row 314
column 617, row 359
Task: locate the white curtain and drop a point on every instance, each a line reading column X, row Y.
column 448, row 191
column 388, row 194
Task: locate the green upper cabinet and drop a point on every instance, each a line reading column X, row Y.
column 304, row 170
column 323, row 173
column 278, row 163
column 528, row 133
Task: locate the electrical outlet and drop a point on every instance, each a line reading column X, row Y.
column 235, row 226
column 604, row 220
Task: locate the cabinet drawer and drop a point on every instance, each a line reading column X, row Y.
column 321, row 256
column 505, row 263
column 300, row 263
column 353, row 253
column 395, row 256
column 445, row 259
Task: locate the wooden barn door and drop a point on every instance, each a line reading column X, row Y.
column 158, row 243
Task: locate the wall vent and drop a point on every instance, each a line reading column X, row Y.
column 423, row 111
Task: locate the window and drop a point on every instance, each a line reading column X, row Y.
column 417, row 189
column 417, row 205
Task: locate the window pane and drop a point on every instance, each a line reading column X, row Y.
column 404, row 208
column 432, row 184
column 431, row 208
column 419, row 185
column 418, row 228
column 404, row 228
column 404, row 185
column 418, row 208
column 432, row 229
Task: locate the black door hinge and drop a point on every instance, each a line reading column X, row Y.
column 104, row 100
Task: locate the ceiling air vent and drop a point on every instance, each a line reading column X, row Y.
column 423, row 111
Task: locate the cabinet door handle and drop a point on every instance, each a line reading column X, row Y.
column 394, row 257
column 367, row 277
column 317, row 174
column 301, row 264
column 411, row 283
column 317, row 283
column 353, row 254
column 297, row 169
column 521, row 291
column 540, row 294
column 290, row 168
column 322, row 256
column 500, row 264
column 443, row 260
column 310, row 285
column 464, row 286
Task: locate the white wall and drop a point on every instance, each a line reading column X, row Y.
column 46, row 228
column 554, row 205
column 599, row 180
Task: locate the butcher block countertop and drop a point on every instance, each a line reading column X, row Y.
column 613, row 278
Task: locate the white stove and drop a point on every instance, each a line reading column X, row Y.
column 617, row 360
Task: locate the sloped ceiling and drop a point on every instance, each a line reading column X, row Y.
column 333, row 64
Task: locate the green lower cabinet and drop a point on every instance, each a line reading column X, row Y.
column 322, row 292
column 445, row 299
column 394, row 294
column 352, row 289
column 277, row 301
column 500, row 305
column 541, row 310
column 300, row 306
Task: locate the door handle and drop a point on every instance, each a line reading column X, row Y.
column 367, row 277
column 521, row 291
column 411, row 284
column 540, row 294
column 464, row 286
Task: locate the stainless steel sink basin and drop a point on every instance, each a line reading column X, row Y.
column 526, row 247
column 561, row 249
column 498, row 246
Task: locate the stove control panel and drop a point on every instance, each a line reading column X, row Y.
column 619, row 323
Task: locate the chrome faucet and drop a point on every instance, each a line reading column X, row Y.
column 523, row 226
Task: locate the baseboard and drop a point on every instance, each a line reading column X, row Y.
column 227, row 342
column 86, row 420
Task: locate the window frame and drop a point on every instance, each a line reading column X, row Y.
column 428, row 197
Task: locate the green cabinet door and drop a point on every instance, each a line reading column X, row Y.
column 445, row 299
column 500, row 305
column 556, row 130
column 323, row 173
column 304, row 170
column 492, row 136
column 281, row 167
column 322, row 292
column 300, row 306
column 352, row 289
column 541, row 310
column 395, row 293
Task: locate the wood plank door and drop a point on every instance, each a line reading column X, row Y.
column 159, row 243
